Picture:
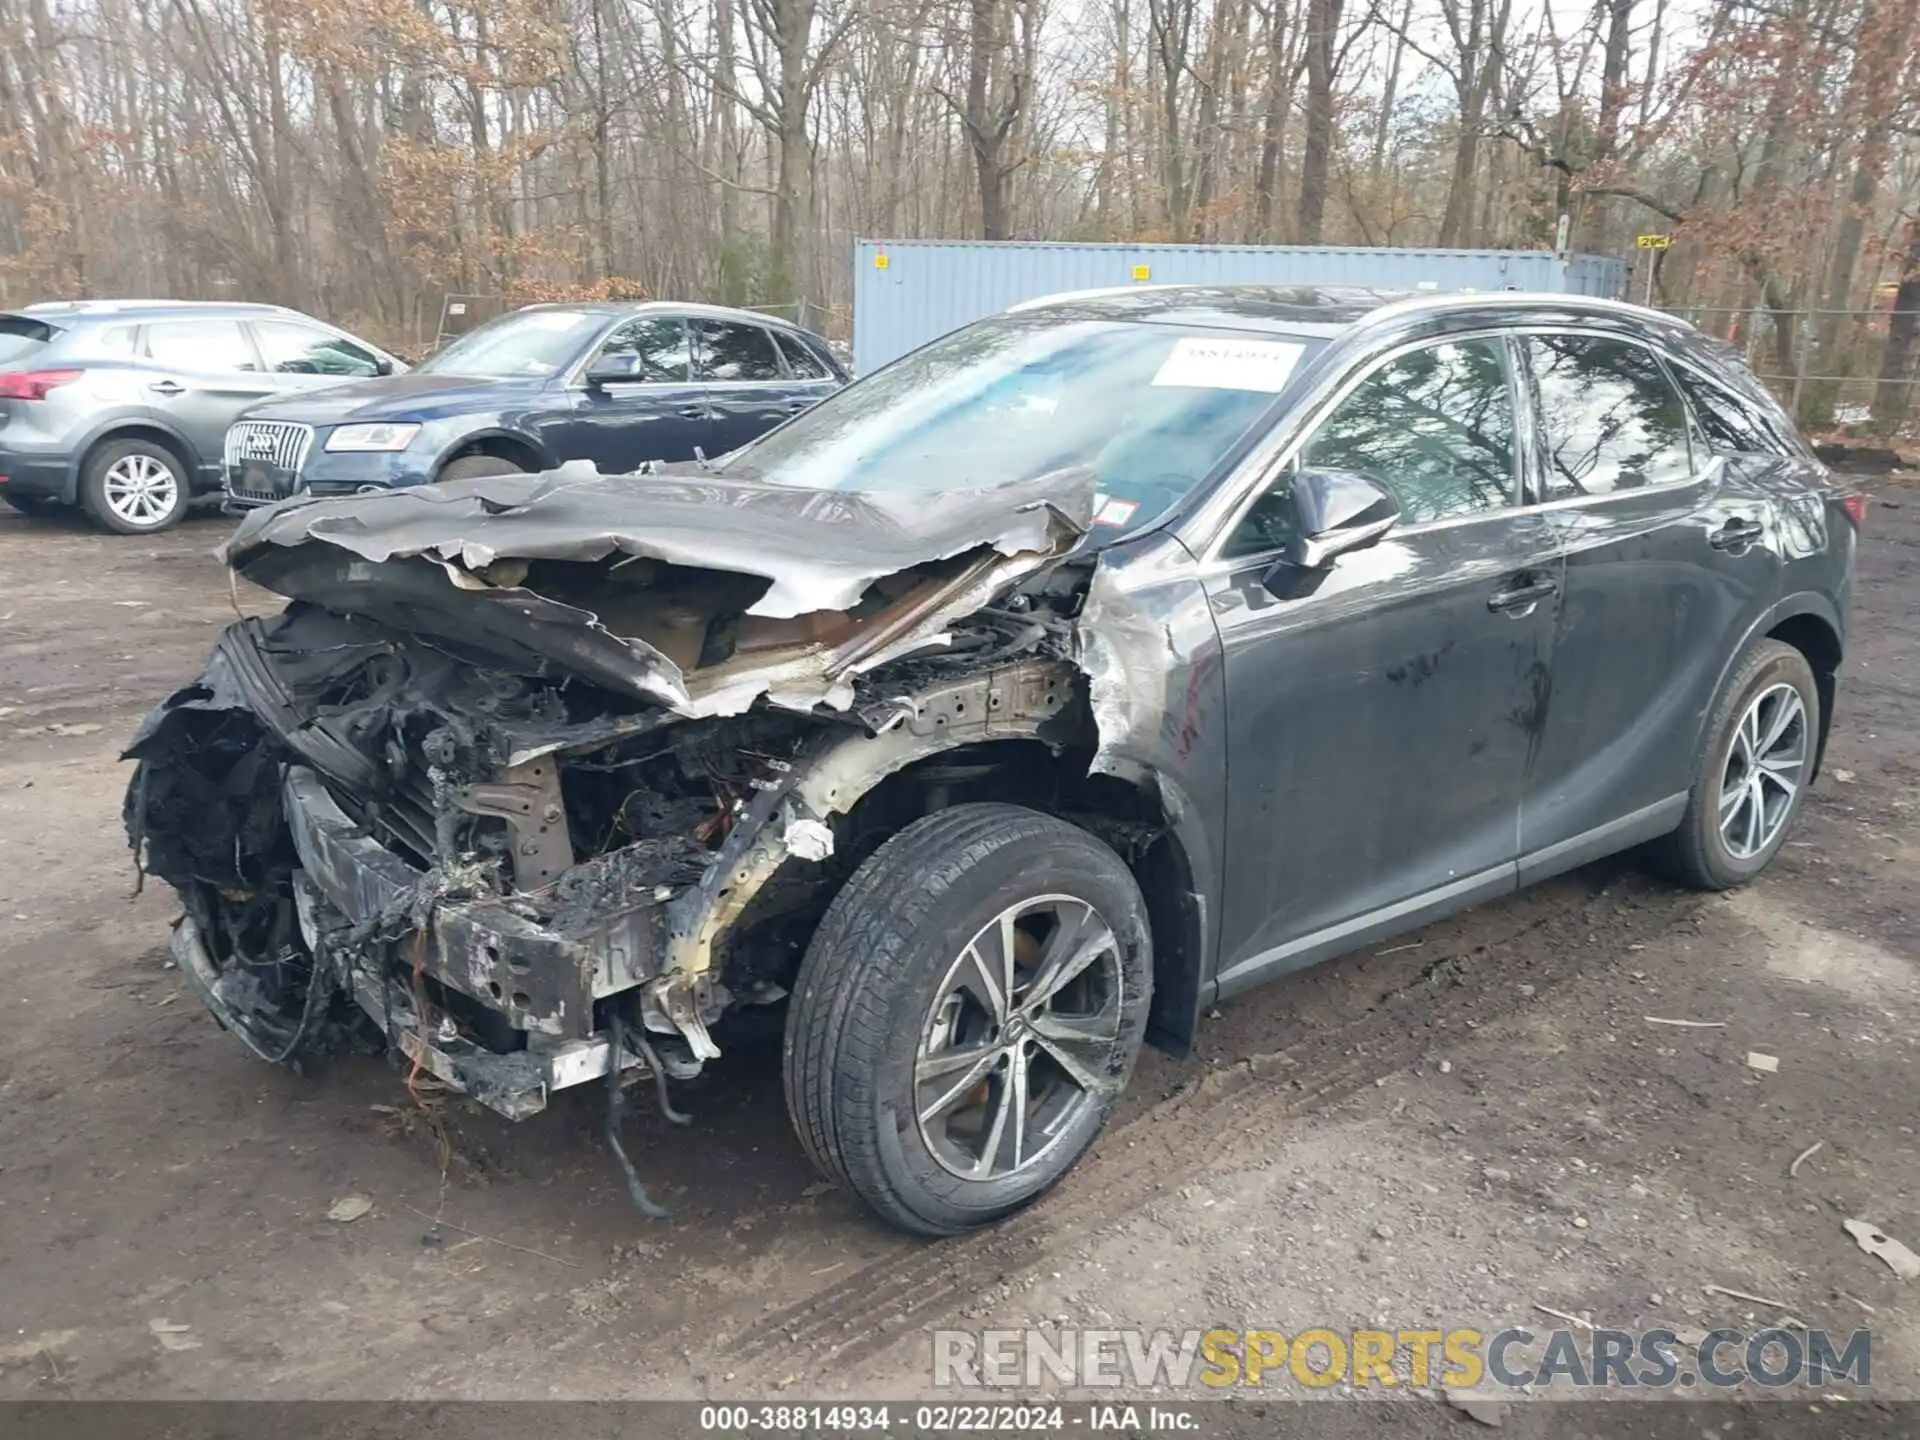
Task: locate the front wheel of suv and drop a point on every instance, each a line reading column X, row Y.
column 967, row 1015
column 1752, row 775
column 476, row 467
column 134, row 487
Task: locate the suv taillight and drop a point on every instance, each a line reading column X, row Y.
column 1856, row 507
column 33, row 384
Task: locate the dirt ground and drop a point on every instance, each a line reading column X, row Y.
column 1460, row 1126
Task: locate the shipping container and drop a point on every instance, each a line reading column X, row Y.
column 906, row 292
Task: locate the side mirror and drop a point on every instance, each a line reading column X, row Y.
column 1335, row 512
column 621, row 369
column 383, row 366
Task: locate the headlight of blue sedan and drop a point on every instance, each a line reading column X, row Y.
column 372, row 437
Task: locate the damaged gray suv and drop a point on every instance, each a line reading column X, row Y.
column 1001, row 713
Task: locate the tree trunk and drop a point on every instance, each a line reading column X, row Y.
column 1323, row 23
column 792, row 24
column 1273, row 127
column 1382, row 125
column 1893, row 395
column 1882, row 50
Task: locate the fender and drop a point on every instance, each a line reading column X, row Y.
column 1803, row 602
column 106, row 429
column 1032, row 700
column 1179, row 878
column 786, row 821
column 468, row 438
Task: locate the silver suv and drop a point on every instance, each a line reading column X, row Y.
column 121, row 406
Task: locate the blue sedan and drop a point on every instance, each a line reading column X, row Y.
column 615, row 383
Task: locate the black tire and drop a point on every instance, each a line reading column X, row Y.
column 34, row 505
column 880, row 960
column 476, row 467
column 1697, row 854
column 95, row 479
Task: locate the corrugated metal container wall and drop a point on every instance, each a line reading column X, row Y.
column 906, row 292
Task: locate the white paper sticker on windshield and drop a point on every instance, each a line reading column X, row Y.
column 1225, row 364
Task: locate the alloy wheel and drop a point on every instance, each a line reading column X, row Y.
column 1763, row 771
column 1019, row 1038
column 141, row 490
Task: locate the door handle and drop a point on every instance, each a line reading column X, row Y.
column 1736, row 534
column 798, row 404
column 167, row 387
column 692, row 412
column 1520, row 597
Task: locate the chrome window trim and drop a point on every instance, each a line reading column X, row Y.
column 573, row 381
column 1331, row 393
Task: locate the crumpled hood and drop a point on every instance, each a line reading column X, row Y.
column 454, row 560
column 821, row 549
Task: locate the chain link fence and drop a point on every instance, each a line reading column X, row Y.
column 1847, row 371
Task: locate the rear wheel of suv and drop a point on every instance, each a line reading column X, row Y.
column 1752, row 774
column 134, row 487
column 967, row 1015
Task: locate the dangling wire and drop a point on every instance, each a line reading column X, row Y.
column 616, row 1108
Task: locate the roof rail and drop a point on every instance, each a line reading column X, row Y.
column 1065, row 296
column 1521, row 299
column 114, row 307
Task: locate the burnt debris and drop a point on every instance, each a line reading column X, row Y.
column 537, row 779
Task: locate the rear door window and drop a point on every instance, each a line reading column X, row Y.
column 206, row 345
column 728, row 350
column 1609, row 417
column 22, row 338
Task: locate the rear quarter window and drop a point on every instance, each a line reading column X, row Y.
column 802, row 363
column 1733, row 423
column 22, row 337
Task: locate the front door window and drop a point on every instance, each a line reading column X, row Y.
column 661, row 343
column 1434, row 428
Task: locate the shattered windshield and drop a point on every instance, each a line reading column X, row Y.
column 528, row 344
column 1151, row 408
